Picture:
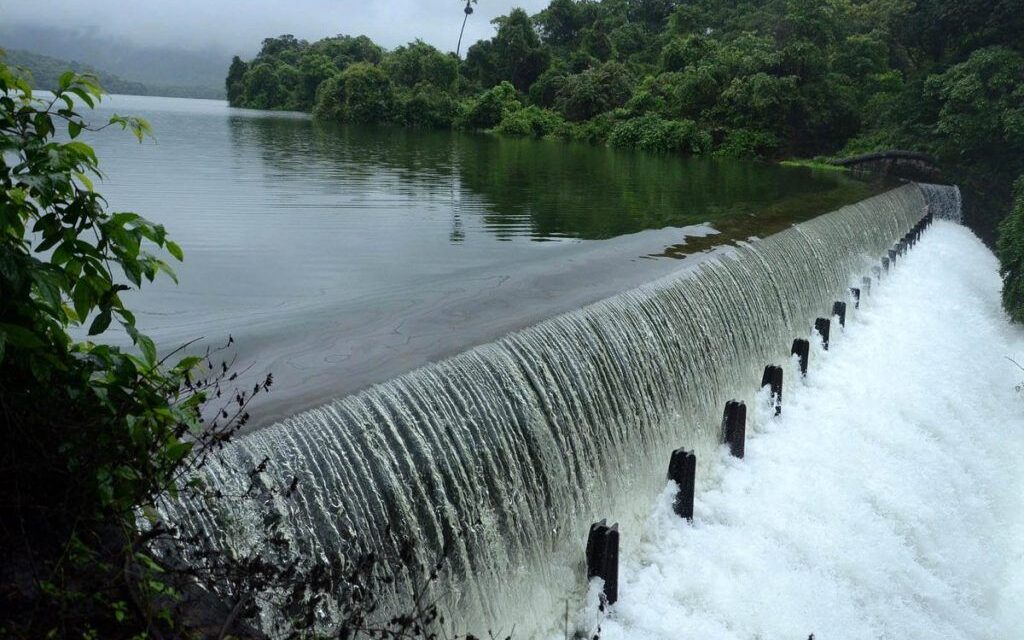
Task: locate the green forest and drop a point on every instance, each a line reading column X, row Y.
column 770, row 79
column 96, row 435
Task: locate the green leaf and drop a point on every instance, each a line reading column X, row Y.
column 74, row 128
column 106, row 484
column 65, row 80
column 145, row 344
column 187, row 363
column 175, row 250
column 123, row 218
column 86, row 98
column 100, row 324
column 166, row 268
column 178, row 451
column 82, row 150
column 83, row 298
column 84, row 179
column 49, row 283
column 19, row 336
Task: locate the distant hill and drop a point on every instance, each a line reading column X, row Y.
column 159, row 70
column 46, row 71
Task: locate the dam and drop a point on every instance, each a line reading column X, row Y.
column 500, row 457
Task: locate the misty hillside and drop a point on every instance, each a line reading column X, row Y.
column 46, row 72
column 163, row 70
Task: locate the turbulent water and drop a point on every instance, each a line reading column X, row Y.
column 885, row 501
column 943, row 201
column 506, row 453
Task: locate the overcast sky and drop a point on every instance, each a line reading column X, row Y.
column 239, row 25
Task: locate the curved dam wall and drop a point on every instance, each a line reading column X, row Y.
column 505, row 454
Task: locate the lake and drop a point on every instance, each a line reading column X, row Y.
column 341, row 257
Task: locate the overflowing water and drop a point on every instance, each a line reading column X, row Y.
column 504, row 454
column 943, row 201
column 886, row 500
column 343, row 257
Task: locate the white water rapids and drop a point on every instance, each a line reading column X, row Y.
column 506, row 453
column 886, row 500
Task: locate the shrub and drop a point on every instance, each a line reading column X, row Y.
column 1010, row 249
column 585, row 95
column 530, row 121
column 681, row 52
column 489, row 108
column 360, row 93
column 595, row 130
column 747, row 143
column 428, row 107
column 91, row 434
column 653, row 133
column 417, row 63
column 545, row 90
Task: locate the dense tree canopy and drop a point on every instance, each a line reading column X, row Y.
column 752, row 78
column 767, row 78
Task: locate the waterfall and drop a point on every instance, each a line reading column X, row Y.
column 944, row 201
column 506, row 453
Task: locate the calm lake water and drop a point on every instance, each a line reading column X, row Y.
column 339, row 257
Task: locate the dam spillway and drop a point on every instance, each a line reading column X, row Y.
column 503, row 455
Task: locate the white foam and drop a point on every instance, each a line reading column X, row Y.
column 886, row 500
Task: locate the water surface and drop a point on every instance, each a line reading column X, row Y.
column 340, row 257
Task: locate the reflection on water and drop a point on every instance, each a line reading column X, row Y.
column 342, row 256
column 542, row 190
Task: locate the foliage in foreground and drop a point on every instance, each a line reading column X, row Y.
column 96, row 436
column 91, row 432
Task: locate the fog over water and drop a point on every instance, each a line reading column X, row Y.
column 233, row 27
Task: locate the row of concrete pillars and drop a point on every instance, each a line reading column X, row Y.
column 603, row 540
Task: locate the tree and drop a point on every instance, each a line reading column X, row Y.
column 651, row 13
column 235, row 81
column 682, row 52
column 947, row 31
column 561, row 22
column 981, row 104
column 92, row 434
column 345, row 50
column 417, row 63
column 491, row 107
column 1010, row 250
column 585, row 95
column 652, row 133
column 313, row 69
column 361, row 93
column 530, row 121
column 428, row 107
column 514, row 54
column 276, row 47
column 263, row 88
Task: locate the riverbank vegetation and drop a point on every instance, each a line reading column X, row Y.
column 1010, row 250
column 772, row 79
column 97, row 437
column 92, row 434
